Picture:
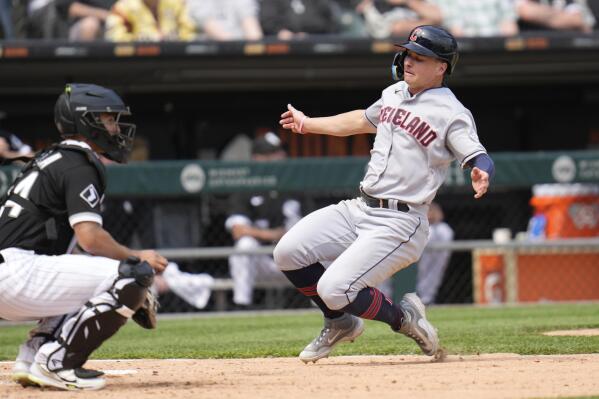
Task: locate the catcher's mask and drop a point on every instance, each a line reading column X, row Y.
column 77, row 112
column 430, row 41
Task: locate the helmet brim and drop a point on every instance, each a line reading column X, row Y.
column 418, row 49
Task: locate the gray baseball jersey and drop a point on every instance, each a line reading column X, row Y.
column 417, row 138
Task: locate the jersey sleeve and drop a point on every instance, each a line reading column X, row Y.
column 372, row 113
column 462, row 139
column 82, row 195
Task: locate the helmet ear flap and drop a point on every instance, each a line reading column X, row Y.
column 397, row 65
column 63, row 117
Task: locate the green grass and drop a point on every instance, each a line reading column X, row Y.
column 463, row 330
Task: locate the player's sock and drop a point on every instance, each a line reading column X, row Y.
column 305, row 280
column 372, row 304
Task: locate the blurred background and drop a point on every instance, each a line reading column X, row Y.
column 208, row 79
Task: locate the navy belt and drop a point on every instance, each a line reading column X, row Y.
column 384, row 203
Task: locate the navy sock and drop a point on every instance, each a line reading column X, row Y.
column 305, row 280
column 372, row 304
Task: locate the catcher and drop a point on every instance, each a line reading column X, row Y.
column 79, row 300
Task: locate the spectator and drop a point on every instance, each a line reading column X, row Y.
column 226, row 19
column 149, row 20
column 256, row 220
column 294, row 19
column 472, row 18
column 572, row 15
column 349, row 21
column 44, row 21
column 386, row 18
column 6, row 19
column 432, row 263
column 86, row 18
column 11, row 146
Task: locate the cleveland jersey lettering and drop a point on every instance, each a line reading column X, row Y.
column 412, row 124
column 428, row 130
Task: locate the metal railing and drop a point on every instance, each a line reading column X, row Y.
column 481, row 271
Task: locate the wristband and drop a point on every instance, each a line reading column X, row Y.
column 301, row 125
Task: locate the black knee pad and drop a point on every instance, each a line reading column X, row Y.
column 133, row 293
column 142, row 272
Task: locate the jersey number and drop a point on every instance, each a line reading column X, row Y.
column 22, row 189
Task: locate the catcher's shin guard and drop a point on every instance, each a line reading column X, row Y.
column 100, row 318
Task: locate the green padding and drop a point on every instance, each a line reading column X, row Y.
column 404, row 281
column 181, row 178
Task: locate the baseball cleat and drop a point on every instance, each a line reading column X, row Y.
column 20, row 374
column 70, row 379
column 416, row 326
column 342, row 329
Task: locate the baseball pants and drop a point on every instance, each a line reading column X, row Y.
column 365, row 245
column 38, row 286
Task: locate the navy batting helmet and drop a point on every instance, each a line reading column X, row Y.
column 430, row 41
column 77, row 112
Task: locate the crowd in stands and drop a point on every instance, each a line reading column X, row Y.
column 219, row 20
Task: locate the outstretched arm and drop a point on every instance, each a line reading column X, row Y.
column 346, row 124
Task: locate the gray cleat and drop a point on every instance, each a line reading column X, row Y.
column 344, row 328
column 416, row 326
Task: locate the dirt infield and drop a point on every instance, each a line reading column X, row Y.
column 484, row 376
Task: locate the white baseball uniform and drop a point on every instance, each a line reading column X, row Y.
column 265, row 212
column 417, row 138
column 36, row 280
column 433, row 263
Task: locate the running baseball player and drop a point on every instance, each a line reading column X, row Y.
column 79, row 300
column 420, row 129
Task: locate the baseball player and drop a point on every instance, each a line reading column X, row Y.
column 433, row 263
column 420, row 129
column 79, row 300
column 257, row 219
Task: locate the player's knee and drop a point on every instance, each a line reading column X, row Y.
column 331, row 294
column 140, row 271
column 134, row 279
column 286, row 255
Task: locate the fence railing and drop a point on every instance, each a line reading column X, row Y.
column 509, row 272
column 461, row 245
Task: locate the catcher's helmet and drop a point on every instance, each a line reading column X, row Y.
column 430, row 41
column 77, row 112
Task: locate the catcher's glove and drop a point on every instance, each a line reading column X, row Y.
column 146, row 315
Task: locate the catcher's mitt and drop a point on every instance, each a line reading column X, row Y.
column 146, row 315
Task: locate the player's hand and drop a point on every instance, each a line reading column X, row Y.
column 157, row 261
column 292, row 119
column 480, row 181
